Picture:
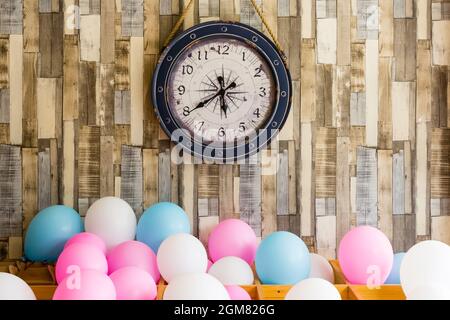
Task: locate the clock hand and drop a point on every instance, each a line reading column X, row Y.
column 221, row 92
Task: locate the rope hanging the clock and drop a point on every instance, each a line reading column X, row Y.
column 177, row 25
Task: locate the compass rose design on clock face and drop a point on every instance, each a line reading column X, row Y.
column 222, row 84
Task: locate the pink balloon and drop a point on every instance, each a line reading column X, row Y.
column 233, row 237
column 133, row 254
column 365, row 256
column 237, row 293
column 80, row 256
column 133, row 283
column 87, row 238
column 86, row 285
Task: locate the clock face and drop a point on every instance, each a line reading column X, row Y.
column 221, row 90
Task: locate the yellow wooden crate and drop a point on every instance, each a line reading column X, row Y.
column 42, row 280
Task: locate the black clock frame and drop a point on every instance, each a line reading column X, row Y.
column 218, row 151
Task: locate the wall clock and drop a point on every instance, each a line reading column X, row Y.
column 221, row 91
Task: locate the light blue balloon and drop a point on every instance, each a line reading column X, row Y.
column 159, row 222
column 282, row 258
column 49, row 231
column 394, row 276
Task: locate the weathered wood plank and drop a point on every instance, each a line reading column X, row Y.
column 358, row 67
column 248, row 14
column 404, row 232
column 122, row 78
column 268, row 193
column 15, row 89
column 89, row 162
column 326, row 41
column 325, row 162
column 403, row 105
column 422, row 174
column 423, row 13
column 44, row 179
column 424, row 78
column 4, row 106
column 306, row 176
column 150, row 167
column 439, row 229
column 90, row 37
column 29, row 184
column 398, row 183
column 439, row 96
column 343, row 33
column 326, row 236
column 137, row 90
column 68, row 170
column 164, row 180
column 107, row 32
column 250, row 196
column 440, row 163
column 366, row 187
column 107, row 166
column 386, row 37
column 307, row 83
column 308, row 15
column 133, row 18
column 282, row 176
column 372, row 102
column 51, row 44
column 226, row 192
column 30, row 26
column 151, row 26
column 87, row 95
column 441, row 42
column 405, row 32
column 71, row 77
column 11, row 17
column 367, row 21
column 49, row 103
column 343, row 208
column 131, row 182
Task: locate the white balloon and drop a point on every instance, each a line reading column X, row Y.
column 426, row 262
column 112, row 219
column 14, row 288
column 179, row 254
column 430, row 292
column 313, row 289
column 195, row 286
column 232, row 271
column 321, row 268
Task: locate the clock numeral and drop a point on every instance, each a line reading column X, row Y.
column 203, row 54
column 257, row 113
column 243, row 56
column 200, row 125
column 222, row 49
column 181, row 90
column 221, row 132
column 258, row 72
column 187, row 69
column 186, row 111
column 242, row 127
column 262, row 92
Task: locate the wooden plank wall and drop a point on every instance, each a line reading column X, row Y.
column 367, row 140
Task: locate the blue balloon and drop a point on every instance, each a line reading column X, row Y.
column 282, row 258
column 49, row 231
column 159, row 222
column 394, row 276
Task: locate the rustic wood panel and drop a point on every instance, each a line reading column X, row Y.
column 366, row 141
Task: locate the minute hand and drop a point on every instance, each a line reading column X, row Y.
column 219, row 93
